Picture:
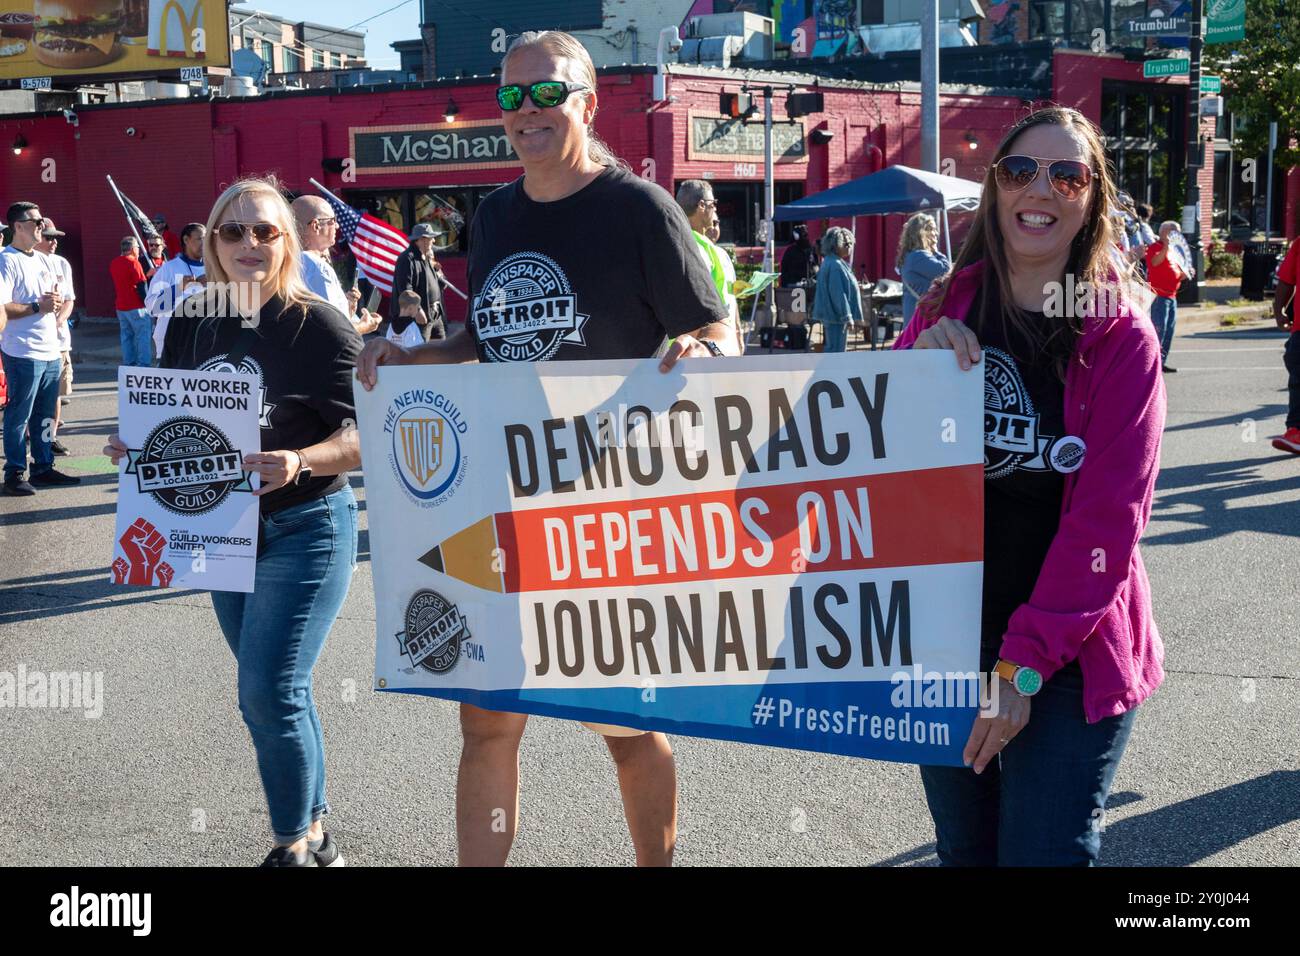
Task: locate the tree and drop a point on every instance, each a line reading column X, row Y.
column 1261, row 76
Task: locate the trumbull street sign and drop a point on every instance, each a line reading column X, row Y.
column 1158, row 25
column 1166, row 67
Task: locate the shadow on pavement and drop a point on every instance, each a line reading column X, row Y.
column 1192, row 830
column 1261, row 412
column 1213, row 488
column 73, row 597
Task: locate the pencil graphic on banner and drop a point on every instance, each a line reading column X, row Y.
column 469, row 556
column 893, row 520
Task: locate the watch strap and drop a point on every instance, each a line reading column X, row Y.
column 1006, row 670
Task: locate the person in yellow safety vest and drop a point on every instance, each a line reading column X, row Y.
column 695, row 196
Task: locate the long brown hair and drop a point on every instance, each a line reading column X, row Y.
column 565, row 46
column 1092, row 258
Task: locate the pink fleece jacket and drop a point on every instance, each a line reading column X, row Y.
column 1092, row 600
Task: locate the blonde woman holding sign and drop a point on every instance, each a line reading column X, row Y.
column 303, row 351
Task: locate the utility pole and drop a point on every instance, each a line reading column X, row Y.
column 930, row 86
column 1195, row 152
column 769, row 209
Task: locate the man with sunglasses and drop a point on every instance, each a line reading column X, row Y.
column 31, row 311
column 318, row 230
column 695, row 196
column 577, row 259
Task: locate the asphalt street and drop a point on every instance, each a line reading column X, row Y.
column 166, row 775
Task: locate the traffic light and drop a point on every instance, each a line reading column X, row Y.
column 737, row 105
column 801, row 104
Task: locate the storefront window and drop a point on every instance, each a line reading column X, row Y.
column 1046, row 19
column 740, row 210
column 449, row 209
column 1222, row 188
column 1121, row 11
column 1141, row 126
column 1085, row 17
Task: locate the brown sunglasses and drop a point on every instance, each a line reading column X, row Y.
column 1069, row 177
column 263, row 232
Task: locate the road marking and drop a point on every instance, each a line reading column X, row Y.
column 1253, row 348
column 1228, row 368
column 91, row 464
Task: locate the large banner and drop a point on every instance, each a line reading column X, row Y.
column 186, row 515
column 102, row 38
column 777, row 550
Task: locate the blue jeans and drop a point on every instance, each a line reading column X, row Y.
column 1042, row 801
column 33, row 404
column 837, row 336
column 1164, row 313
column 304, row 566
column 137, row 336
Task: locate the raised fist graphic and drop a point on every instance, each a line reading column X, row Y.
column 120, row 567
column 165, row 575
column 143, row 545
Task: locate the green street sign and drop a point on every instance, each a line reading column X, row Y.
column 1166, row 67
column 1211, row 84
column 1225, row 21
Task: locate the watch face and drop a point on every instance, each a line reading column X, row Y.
column 1028, row 681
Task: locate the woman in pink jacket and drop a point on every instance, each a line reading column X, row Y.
column 1074, row 408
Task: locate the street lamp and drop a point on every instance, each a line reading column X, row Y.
column 20, row 143
column 450, row 113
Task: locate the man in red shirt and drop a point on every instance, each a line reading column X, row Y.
column 1165, row 272
column 1284, row 316
column 136, row 326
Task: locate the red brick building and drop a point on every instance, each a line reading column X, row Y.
column 393, row 150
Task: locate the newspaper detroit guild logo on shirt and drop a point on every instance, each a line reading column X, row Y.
column 247, row 366
column 527, row 310
column 188, row 466
column 433, row 632
column 1011, row 426
column 425, row 428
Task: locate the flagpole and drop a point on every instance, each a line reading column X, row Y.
column 129, row 221
column 342, row 203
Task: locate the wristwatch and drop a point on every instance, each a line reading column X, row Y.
column 304, row 470
column 36, row 308
column 712, row 346
column 1024, row 680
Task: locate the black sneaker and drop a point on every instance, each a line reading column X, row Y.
column 65, row 399
column 59, row 448
column 1168, row 368
column 51, row 478
column 16, row 486
column 327, row 854
column 283, row 856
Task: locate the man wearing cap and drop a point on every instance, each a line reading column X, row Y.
column 318, row 231
column 32, row 307
column 416, row 270
column 171, row 241
column 49, row 244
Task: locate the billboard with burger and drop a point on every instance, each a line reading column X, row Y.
column 110, row 38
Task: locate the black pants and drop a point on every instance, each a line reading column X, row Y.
column 1291, row 358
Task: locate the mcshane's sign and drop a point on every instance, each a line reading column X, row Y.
column 714, row 137
column 480, row 144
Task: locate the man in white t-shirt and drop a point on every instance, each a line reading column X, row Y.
column 318, row 231
column 49, row 246
column 174, row 280
column 33, row 308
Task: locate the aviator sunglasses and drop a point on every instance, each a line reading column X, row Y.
column 262, row 231
column 1068, row 177
column 546, row 93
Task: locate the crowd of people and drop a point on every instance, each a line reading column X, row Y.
column 1075, row 647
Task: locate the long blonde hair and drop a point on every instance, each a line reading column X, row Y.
column 919, row 232
column 1092, row 256
column 287, row 281
column 581, row 70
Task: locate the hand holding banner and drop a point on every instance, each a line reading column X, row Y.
column 783, row 551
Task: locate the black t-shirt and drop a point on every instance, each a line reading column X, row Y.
column 305, row 364
column 1026, row 456
column 609, row 272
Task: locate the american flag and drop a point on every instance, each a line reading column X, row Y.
column 374, row 242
